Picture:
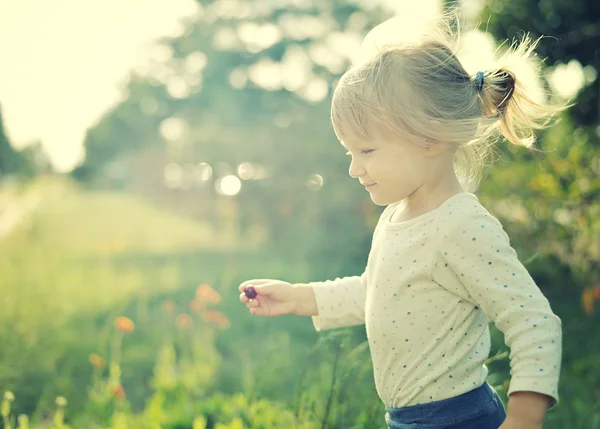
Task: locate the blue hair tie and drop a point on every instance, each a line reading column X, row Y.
column 479, row 81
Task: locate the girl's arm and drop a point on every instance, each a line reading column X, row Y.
column 306, row 303
column 338, row 303
column 475, row 260
column 528, row 407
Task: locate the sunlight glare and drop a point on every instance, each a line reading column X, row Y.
column 228, row 185
column 226, row 39
column 315, row 91
column 567, row 79
column 177, row 87
column 238, row 78
column 266, row 74
column 203, row 172
column 173, row 175
column 326, row 57
column 246, row 171
column 173, row 128
column 476, row 51
column 195, row 62
column 406, row 27
column 258, row 37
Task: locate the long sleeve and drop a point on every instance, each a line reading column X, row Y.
column 474, row 259
column 340, row 302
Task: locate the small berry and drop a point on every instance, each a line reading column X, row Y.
column 250, row 292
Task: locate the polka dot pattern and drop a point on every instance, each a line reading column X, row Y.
column 431, row 287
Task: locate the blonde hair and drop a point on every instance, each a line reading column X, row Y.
column 419, row 91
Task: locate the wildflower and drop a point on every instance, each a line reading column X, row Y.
column 207, row 294
column 61, row 401
column 97, row 361
column 596, row 292
column 588, row 301
column 168, row 306
column 217, row 318
column 23, row 421
column 184, row 320
column 124, row 324
column 118, row 391
column 5, row 408
column 195, row 305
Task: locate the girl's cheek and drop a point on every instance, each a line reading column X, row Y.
column 373, row 163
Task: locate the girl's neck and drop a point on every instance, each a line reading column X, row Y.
column 426, row 198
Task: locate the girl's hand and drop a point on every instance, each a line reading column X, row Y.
column 273, row 297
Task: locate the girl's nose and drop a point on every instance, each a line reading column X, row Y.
column 356, row 170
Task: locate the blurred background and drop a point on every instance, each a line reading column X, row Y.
column 153, row 155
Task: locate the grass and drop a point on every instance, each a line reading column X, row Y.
column 82, row 258
column 96, row 224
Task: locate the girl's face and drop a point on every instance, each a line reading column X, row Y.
column 390, row 171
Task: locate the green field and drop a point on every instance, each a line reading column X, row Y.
column 82, row 259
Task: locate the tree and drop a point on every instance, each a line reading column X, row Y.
column 10, row 162
column 249, row 85
column 25, row 163
column 563, row 186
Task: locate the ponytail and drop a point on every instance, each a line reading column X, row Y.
column 507, row 98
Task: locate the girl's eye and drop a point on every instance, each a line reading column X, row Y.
column 363, row 152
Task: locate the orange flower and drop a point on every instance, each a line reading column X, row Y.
column 184, row 320
column 588, row 301
column 223, row 323
column 124, row 324
column 597, row 292
column 207, row 294
column 195, row 305
column 217, row 318
column 168, row 306
column 97, row 361
column 118, row 391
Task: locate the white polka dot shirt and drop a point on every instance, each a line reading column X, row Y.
column 431, row 286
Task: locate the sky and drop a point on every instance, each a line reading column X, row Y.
column 63, row 62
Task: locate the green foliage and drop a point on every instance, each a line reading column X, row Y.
column 9, row 159
column 25, row 163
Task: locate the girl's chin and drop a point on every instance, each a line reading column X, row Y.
column 378, row 200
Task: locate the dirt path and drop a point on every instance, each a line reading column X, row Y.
column 13, row 209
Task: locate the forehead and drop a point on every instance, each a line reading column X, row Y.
column 371, row 134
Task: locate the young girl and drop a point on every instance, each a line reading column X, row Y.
column 441, row 266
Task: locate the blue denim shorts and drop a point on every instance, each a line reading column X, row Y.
column 481, row 408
